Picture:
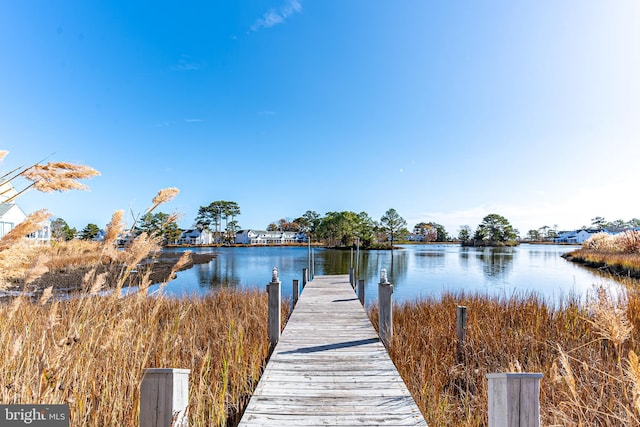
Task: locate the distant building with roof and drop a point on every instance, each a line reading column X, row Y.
column 262, row 237
column 577, row 236
column 11, row 215
column 196, row 237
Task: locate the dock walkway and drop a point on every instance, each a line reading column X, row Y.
column 330, row 368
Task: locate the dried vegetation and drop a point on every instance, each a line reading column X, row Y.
column 619, row 254
column 587, row 353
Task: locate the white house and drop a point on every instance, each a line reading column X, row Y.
column 415, row 237
column 583, row 235
column 11, row 215
column 577, row 236
column 567, row 237
column 261, row 237
column 196, row 237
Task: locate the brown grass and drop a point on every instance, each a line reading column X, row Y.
column 587, row 354
column 91, row 352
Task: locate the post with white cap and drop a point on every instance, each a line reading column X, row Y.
column 385, row 315
column 273, row 291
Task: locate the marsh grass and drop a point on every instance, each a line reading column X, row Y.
column 587, row 353
column 91, row 352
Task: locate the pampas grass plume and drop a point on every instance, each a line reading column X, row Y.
column 39, row 268
column 30, row 225
column 59, row 176
column 165, row 195
column 114, row 228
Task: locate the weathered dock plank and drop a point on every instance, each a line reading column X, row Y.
column 330, row 368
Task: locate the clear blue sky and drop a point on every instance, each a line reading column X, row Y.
column 445, row 111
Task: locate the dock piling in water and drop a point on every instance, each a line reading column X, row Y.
column 385, row 308
column 273, row 291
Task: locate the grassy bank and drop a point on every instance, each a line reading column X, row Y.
column 619, row 254
column 620, row 264
column 586, row 353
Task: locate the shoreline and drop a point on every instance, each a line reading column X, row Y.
column 595, row 260
column 67, row 282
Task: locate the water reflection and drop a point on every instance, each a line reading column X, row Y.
column 497, row 263
column 415, row 270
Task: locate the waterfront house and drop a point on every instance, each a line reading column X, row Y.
column 262, row 237
column 416, row 237
column 567, row 237
column 11, row 215
column 585, row 234
column 196, row 237
column 577, row 236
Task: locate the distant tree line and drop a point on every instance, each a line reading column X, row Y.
column 346, row 228
column 619, row 224
column 336, row 229
column 494, row 230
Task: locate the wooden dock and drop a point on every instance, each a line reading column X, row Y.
column 330, row 368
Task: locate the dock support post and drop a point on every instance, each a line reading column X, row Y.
column 305, row 277
column 296, row 292
column 514, row 399
column 352, row 281
column 273, row 290
column 361, row 291
column 461, row 332
column 385, row 315
column 164, row 397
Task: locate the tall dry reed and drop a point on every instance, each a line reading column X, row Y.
column 91, row 352
column 58, row 176
column 587, row 353
column 625, row 242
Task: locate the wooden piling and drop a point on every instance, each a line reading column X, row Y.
column 296, row 292
column 273, row 291
column 164, row 397
column 514, row 399
column 461, row 332
column 385, row 304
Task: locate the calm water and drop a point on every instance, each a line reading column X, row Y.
column 415, row 270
